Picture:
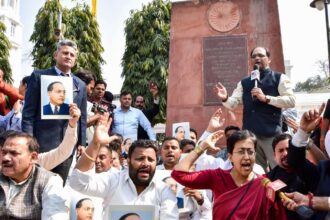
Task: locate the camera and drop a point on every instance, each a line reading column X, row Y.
column 111, row 108
column 98, row 108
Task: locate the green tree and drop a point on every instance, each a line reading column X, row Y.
column 43, row 36
column 323, row 67
column 146, row 56
column 83, row 28
column 310, row 84
column 4, row 55
column 79, row 25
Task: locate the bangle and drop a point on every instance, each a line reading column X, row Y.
column 225, row 99
column 201, row 201
column 198, row 150
column 89, row 157
column 310, row 199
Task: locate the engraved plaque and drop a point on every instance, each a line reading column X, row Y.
column 225, row 60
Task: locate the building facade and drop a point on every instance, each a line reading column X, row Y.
column 9, row 15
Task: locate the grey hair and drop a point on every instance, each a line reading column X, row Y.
column 66, row 42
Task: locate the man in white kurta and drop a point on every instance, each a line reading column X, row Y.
column 133, row 186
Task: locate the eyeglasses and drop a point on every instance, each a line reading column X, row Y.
column 242, row 152
column 258, row 55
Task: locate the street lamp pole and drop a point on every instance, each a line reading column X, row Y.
column 320, row 4
column 326, row 2
column 57, row 30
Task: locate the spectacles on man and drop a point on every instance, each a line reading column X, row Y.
column 242, row 152
column 258, row 55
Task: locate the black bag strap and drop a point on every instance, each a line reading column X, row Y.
column 240, row 200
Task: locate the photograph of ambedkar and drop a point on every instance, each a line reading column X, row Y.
column 56, row 105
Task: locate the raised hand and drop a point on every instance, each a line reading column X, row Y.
column 292, row 123
column 75, row 114
column 221, row 91
column 153, row 89
column 216, row 122
column 311, row 119
column 101, row 135
column 209, row 142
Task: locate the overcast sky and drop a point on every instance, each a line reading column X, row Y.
column 303, row 35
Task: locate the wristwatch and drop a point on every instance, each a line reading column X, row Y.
column 267, row 99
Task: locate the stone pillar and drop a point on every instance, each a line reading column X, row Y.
column 210, row 42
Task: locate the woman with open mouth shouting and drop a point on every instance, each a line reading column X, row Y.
column 238, row 192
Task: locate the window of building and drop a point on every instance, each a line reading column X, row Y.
column 12, row 3
column 12, row 29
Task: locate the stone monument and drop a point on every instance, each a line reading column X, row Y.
column 210, row 41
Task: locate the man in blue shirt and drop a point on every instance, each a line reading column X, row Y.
column 127, row 119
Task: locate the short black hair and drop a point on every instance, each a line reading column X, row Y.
column 185, row 142
column 265, row 48
column 231, row 127
column 127, row 215
column 194, row 131
column 169, row 138
column 142, row 144
column 115, row 145
column 280, row 137
column 25, row 80
column 85, row 75
column 108, row 96
column 51, row 85
column 121, row 138
column 100, row 81
column 177, row 128
column 240, row 136
column 79, row 203
column 125, row 93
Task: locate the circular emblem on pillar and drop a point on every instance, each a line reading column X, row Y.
column 224, row 16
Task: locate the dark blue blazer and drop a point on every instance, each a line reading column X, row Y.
column 50, row 133
column 64, row 109
column 316, row 177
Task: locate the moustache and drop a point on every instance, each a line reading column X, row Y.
column 144, row 169
column 6, row 163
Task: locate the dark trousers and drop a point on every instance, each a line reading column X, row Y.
column 63, row 169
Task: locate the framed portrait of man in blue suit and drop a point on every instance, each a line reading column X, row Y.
column 56, row 95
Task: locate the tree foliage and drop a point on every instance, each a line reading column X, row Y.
column 146, row 56
column 83, row 28
column 310, row 84
column 323, row 67
column 4, row 55
column 43, row 36
column 79, row 25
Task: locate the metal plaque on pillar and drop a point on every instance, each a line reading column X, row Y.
column 225, row 60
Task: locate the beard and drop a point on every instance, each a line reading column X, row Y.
column 284, row 163
column 133, row 174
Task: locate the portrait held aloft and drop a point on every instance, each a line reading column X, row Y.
column 55, row 105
